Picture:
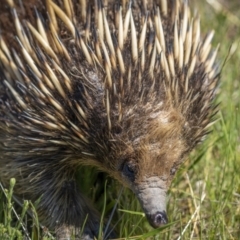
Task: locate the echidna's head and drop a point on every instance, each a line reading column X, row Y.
column 144, row 154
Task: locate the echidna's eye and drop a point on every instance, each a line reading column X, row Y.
column 129, row 171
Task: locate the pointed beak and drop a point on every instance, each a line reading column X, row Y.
column 158, row 219
column 152, row 197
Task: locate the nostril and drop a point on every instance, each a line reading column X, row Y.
column 160, row 218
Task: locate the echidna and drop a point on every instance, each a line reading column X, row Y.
column 126, row 86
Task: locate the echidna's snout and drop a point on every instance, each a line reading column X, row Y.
column 158, row 219
column 152, row 195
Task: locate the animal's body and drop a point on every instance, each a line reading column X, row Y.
column 126, row 86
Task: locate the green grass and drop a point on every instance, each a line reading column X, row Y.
column 204, row 199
